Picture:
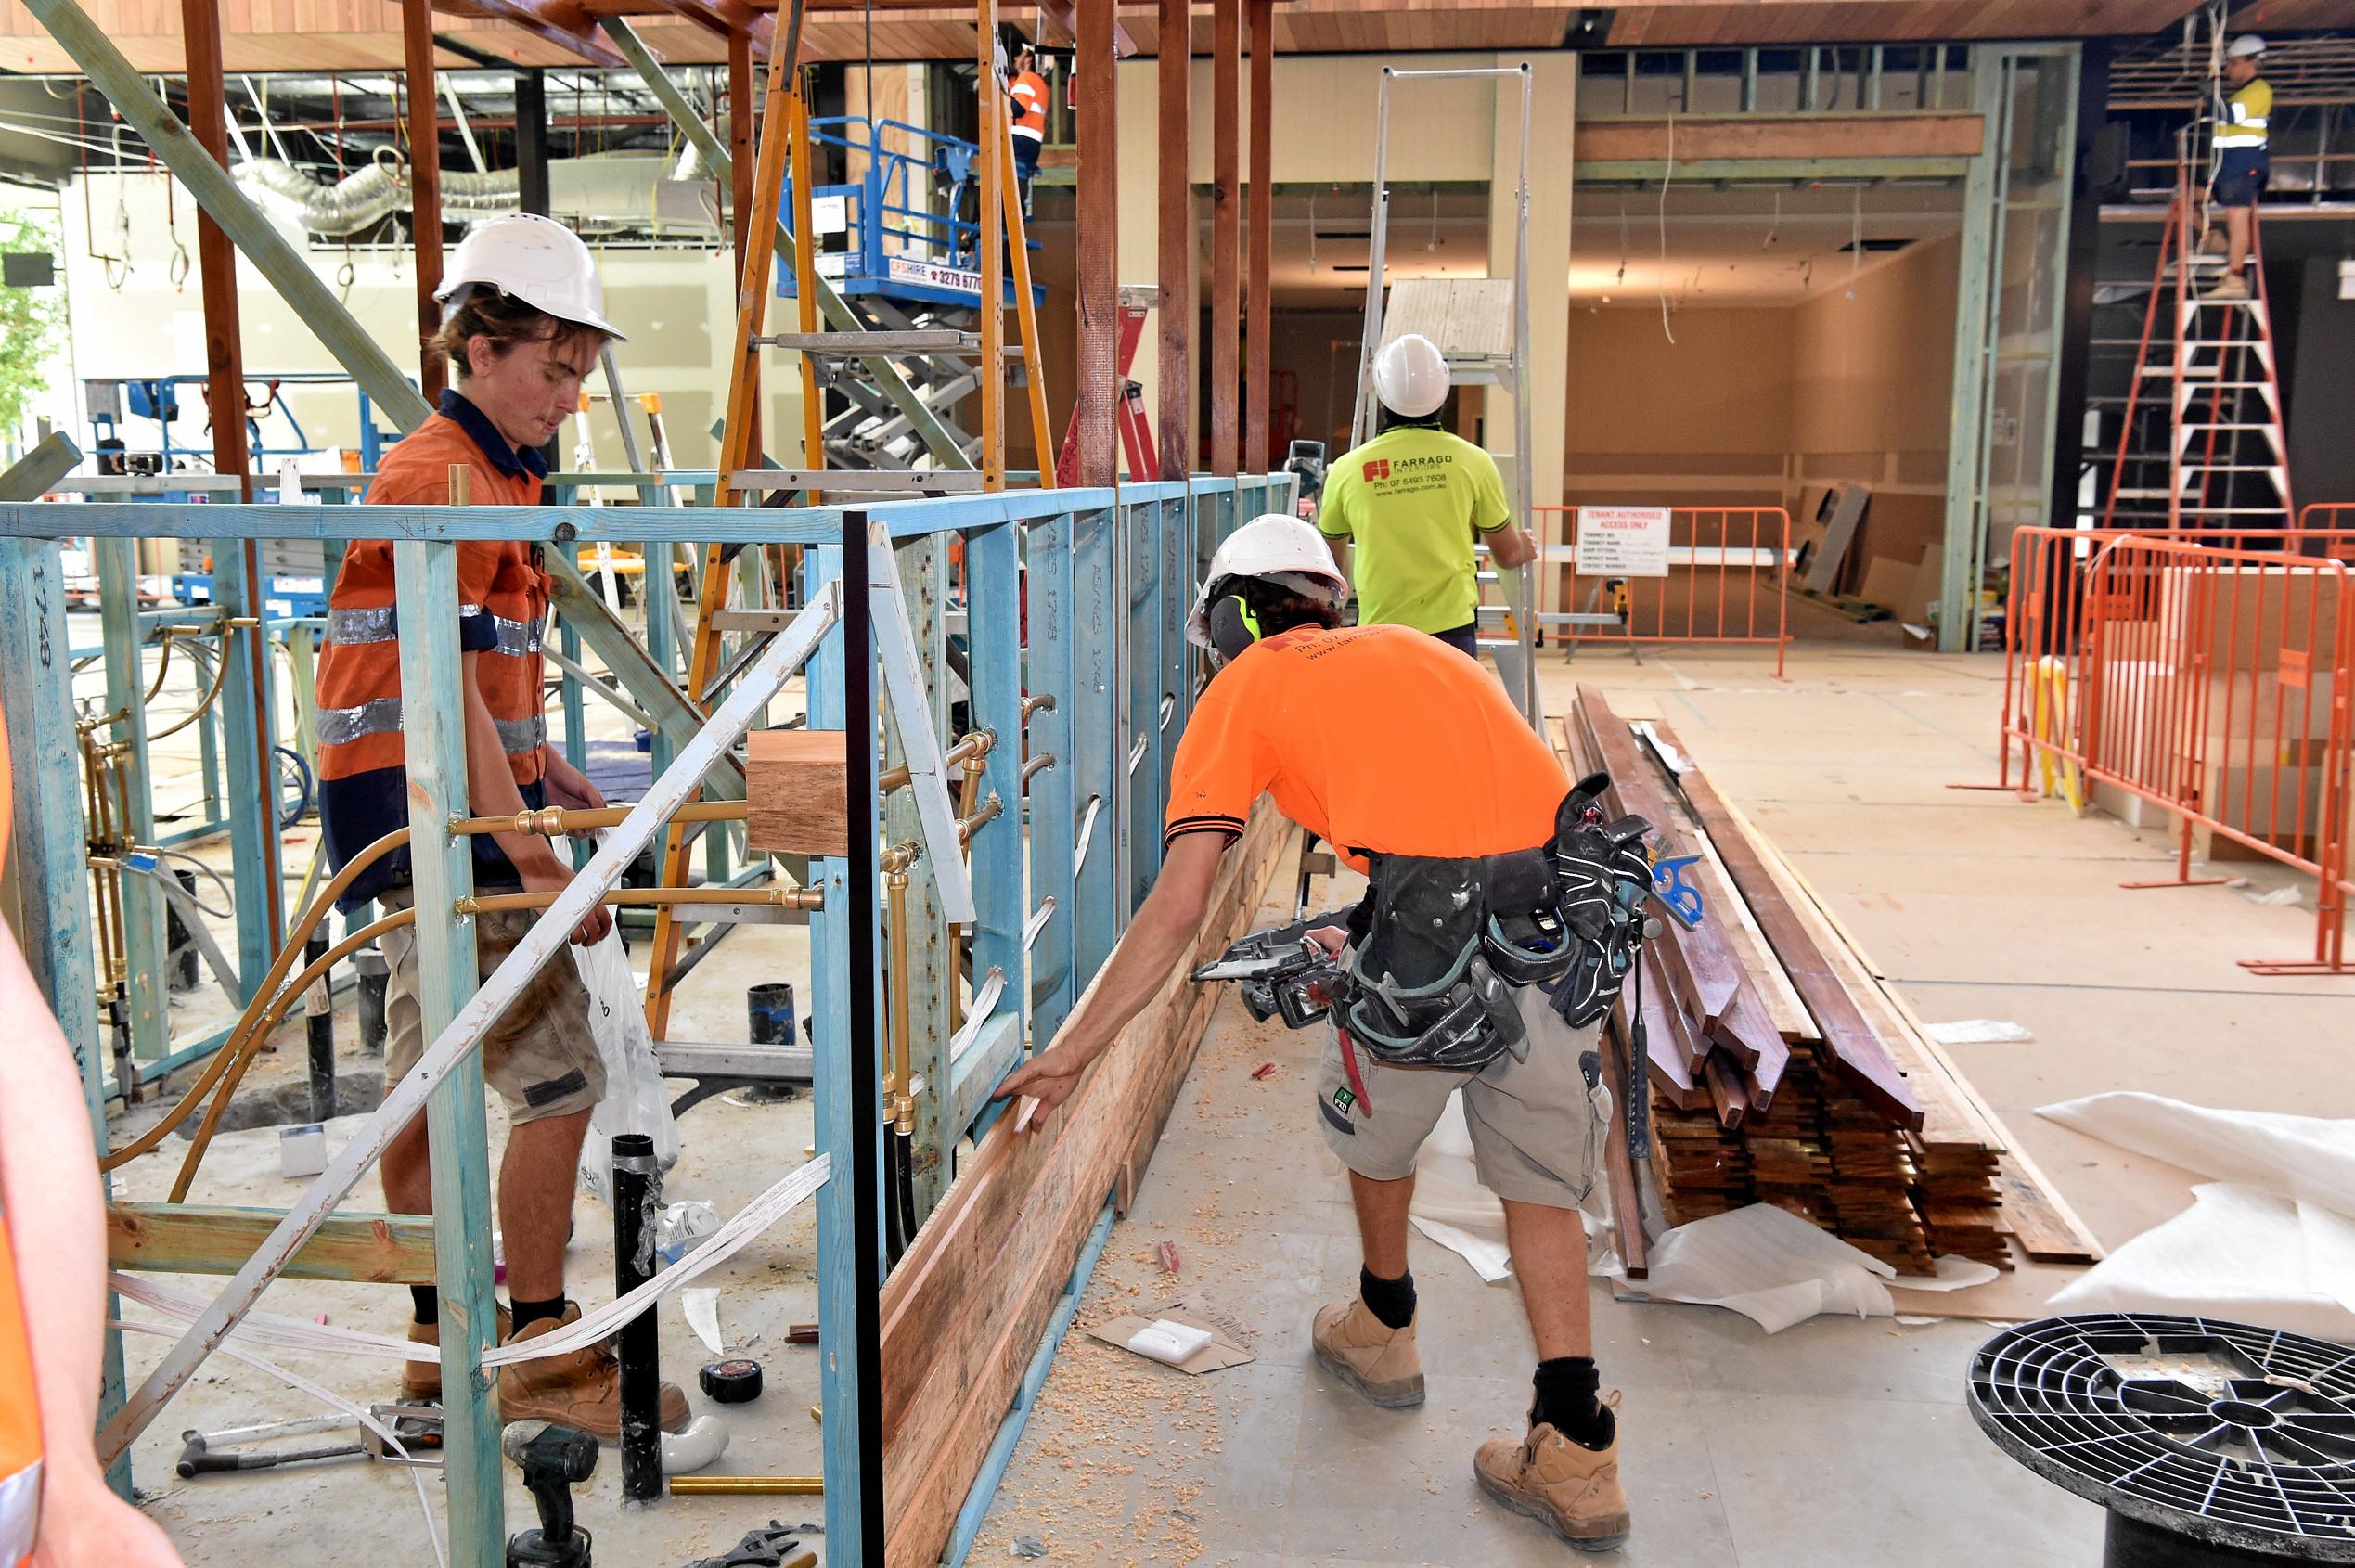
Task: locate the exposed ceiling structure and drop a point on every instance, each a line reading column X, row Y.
column 1711, row 247
column 261, row 35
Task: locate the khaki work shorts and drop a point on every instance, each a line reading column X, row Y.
column 1537, row 1128
column 540, row 1055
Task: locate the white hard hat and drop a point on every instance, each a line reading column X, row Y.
column 1410, row 377
column 533, row 259
column 1271, row 544
column 2246, row 46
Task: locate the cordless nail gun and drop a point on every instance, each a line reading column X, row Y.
column 1281, row 971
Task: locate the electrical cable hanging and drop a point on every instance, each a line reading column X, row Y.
column 1855, row 237
column 1666, row 174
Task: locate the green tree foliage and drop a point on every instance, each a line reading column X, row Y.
column 29, row 322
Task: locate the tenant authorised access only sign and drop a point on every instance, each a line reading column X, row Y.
column 1622, row 541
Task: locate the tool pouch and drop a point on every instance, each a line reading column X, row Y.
column 1602, row 874
column 1419, row 992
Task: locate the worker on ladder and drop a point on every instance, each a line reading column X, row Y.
column 1376, row 738
column 1413, row 500
column 2241, row 164
column 1028, row 105
column 522, row 324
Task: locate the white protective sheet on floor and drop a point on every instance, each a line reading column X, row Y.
column 2271, row 1241
column 1768, row 1265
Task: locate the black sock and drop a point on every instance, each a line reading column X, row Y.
column 426, row 1304
column 528, row 1312
column 1566, row 1402
column 1391, row 1301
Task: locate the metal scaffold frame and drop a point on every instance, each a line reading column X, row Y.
column 1099, row 759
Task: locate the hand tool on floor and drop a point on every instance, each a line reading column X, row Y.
column 775, row 1546
column 419, row 1426
column 554, row 1459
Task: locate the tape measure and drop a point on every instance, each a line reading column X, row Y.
column 736, row 1380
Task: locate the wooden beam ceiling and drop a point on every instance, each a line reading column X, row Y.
column 365, row 35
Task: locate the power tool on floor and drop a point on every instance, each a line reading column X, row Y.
column 554, row 1459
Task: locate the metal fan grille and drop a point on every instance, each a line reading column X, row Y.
column 2221, row 1431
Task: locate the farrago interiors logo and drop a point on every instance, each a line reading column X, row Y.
column 1407, row 468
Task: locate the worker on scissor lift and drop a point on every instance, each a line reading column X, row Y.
column 523, row 321
column 1416, row 766
column 1028, row 105
column 1413, row 500
column 2242, row 164
column 55, row 1509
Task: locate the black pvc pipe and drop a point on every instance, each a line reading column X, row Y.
column 319, row 1026
column 637, row 1192
column 866, row 1031
column 371, row 966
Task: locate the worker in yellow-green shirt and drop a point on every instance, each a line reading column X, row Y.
column 2242, row 162
column 1413, row 500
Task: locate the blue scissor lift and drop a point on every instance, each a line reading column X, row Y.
column 900, row 241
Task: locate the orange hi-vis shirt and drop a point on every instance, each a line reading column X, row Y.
column 1029, row 93
column 20, row 1407
column 503, row 597
column 1372, row 737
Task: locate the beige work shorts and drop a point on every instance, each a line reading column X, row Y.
column 540, row 1055
column 1537, row 1128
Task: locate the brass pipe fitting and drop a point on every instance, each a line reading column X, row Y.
column 990, row 811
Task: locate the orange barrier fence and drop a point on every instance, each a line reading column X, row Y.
column 1721, row 579
column 2202, row 680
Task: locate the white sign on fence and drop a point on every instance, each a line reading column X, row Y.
column 1622, row 541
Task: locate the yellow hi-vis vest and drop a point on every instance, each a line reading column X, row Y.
column 20, row 1422
column 2246, row 113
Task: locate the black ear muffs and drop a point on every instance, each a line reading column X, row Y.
column 1232, row 627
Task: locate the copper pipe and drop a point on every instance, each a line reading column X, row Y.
column 968, row 750
column 220, row 674
column 1038, row 703
column 753, row 1485
column 249, row 1041
column 899, row 1106
column 968, row 827
column 292, row 948
column 1036, row 766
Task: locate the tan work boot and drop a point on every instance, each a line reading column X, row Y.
column 1378, row 1361
column 2213, row 243
column 580, row 1389
column 1572, row 1490
column 2232, row 286
column 423, row 1379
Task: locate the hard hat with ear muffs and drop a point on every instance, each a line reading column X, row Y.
column 1275, row 546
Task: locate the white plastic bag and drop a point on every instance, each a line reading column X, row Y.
column 635, row 1100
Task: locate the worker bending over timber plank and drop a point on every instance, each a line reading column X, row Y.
column 522, row 325
column 1413, row 764
column 1414, row 499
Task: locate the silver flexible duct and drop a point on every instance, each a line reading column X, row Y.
column 588, row 192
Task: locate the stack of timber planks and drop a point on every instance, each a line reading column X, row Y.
column 1782, row 1070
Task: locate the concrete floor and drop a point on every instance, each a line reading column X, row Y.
column 1834, row 1443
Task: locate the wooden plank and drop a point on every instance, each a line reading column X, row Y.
column 1857, row 1052
column 961, row 1314
column 1260, row 276
column 1099, row 390
column 1675, row 1060
column 202, row 1239
column 1225, row 238
column 2039, row 1219
column 1177, row 240
column 796, row 791
column 1710, row 977
column 1780, row 137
